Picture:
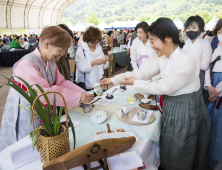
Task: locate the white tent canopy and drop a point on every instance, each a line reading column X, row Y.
column 79, row 27
column 178, row 23
column 31, row 14
column 211, row 25
column 88, row 25
column 122, row 25
column 102, row 25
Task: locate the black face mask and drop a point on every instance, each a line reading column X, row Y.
column 193, row 34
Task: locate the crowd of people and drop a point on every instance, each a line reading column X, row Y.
column 19, row 42
column 184, row 71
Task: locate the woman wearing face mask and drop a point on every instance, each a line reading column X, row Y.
column 140, row 51
column 213, row 83
column 90, row 59
column 185, row 120
column 197, row 47
column 38, row 67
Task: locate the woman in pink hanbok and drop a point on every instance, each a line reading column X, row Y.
column 38, row 67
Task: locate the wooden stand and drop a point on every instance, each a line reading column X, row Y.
column 103, row 164
column 94, row 151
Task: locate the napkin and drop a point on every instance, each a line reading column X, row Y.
column 135, row 118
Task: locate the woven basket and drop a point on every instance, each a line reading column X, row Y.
column 54, row 146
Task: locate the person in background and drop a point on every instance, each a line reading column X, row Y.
column 31, row 40
column 25, row 36
column 125, row 34
column 213, row 83
column 10, row 38
column 185, row 121
column 35, row 46
column 90, row 59
column 34, row 37
column 5, row 46
column 141, row 51
column 115, row 42
column 133, row 37
column 15, row 43
column 21, row 39
column 197, row 47
column 129, row 36
column 4, row 38
column 121, row 37
column 63, row 63
column 108, row 39
column 25, row 45
column 80, row 39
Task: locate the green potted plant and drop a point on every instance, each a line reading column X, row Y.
column 51, row 139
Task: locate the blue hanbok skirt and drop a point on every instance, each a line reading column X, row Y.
column 215, row 145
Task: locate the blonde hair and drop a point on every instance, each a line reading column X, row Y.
column 55, row 36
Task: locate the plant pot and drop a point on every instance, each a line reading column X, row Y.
column 54, row 146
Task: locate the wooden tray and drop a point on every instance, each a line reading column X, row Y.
column 139, row 96
column 128, row 118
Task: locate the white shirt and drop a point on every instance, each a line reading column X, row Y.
column 181, row 76
column 201, row 50
column 217, row 68
column 25, row 45
column 83, row 63
column 137, row 49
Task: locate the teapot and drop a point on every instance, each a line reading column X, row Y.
column 125, row 110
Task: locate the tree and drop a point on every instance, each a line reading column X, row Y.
column 93, row 19
column 143, row 17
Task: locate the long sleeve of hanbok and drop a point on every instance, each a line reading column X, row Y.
column 207, row 79
column 133, row 56
column 205, row 58
column 31, row 74
column 146, row 72
column 181, row 74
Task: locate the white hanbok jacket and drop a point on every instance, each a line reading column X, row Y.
column 138, row 49
column 179, row 76
column 201, row 51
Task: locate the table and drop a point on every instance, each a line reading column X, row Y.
column 121, row 57
column 146, row 147
column 9, row 58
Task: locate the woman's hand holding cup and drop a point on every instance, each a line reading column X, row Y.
column 86, row 98
column 105, row 82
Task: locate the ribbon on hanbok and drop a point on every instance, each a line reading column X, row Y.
column 219, row 103
column 140, row 59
